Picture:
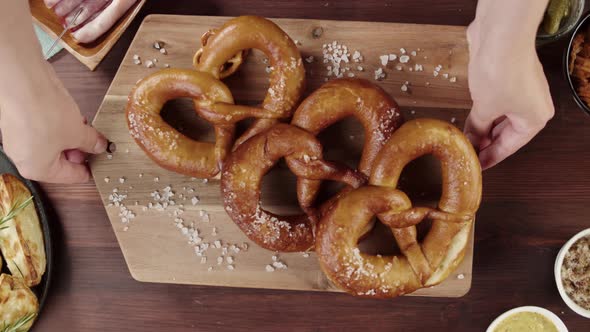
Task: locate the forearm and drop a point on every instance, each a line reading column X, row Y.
column 505, row 24
column 22, row 67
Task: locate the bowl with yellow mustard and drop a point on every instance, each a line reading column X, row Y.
column 527, row 319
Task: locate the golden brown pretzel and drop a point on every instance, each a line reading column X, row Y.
column 287, row 77
column 422, row 264
column 228, row 68
column 242, row 175
column 341, row 98
column 164, row 144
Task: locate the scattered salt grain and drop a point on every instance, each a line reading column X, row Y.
column 404, row 59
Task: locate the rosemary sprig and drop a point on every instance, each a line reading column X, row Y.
column 19, row 270
column 19, row 325
column 14, row 211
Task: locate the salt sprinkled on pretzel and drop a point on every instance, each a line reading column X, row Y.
column 242, row 175
column 421, row 264
column 287, row 79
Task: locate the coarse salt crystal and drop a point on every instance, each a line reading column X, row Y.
column 392, row 57
column 461, row 276
column 404, row 59
column 384, row 59
column 404, row 88
column 122, row 180
column 269, row 268
column 219, row 260
column 413, row 53
column 453, row 79
column 109, row 156
column 402, row 50
column 229, row 259
column 230, row 267
column 195, row 200
column 107, row 179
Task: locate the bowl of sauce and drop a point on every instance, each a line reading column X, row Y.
column 572, row 273
column 527, row 319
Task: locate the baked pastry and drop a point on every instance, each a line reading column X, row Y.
column 242, row 176
column 442, row 249
column 18, row 304
column 222, row 53
column 21, row 237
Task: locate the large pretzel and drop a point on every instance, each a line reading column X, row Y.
column 228, row 44
column 242, row 175
column 341, row 98
column 165, row 145
column 422, row 264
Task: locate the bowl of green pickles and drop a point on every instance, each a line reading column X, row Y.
column 561, row 17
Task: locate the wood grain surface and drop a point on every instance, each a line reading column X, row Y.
column 154, row 248
column 532, row 203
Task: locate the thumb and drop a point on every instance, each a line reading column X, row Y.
column 91, row 141
column 506, row 141
column 478, row 129
column 64, row 171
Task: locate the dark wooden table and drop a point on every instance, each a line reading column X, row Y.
column 532, row 204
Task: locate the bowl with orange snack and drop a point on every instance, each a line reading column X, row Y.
column 577, row 64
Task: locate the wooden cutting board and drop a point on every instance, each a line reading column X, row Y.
column 156, row 250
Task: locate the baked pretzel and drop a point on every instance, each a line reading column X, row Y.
column 228, row 44
column 341, row 98
column 422, row 264
column 242, row 175
column 228, row 68
column 165, row 145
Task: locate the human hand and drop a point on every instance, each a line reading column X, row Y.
column 511, row 97
column 44, row 133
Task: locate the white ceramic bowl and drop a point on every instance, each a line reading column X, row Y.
column 558, row 263
column 542, row 311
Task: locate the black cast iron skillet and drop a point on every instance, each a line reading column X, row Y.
column 41, row 290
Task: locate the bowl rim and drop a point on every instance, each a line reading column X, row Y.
column 566, row 62
column 557, row 271
column 541, row 36
column 542, row 311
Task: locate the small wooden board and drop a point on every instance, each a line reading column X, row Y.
column 156, row 250
column 89, row 54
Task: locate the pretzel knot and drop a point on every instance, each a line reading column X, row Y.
column 223, row 52
column 165, row 145
column 242, row 176
column 342, row 98
column 442, row 249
